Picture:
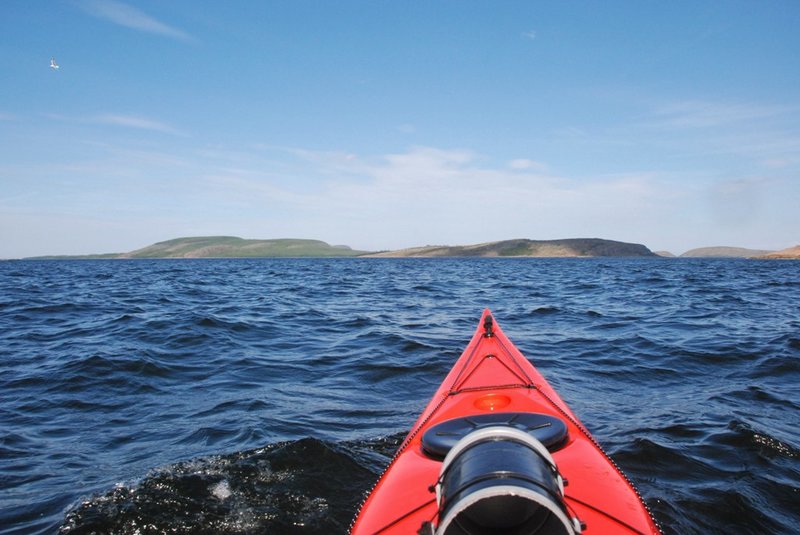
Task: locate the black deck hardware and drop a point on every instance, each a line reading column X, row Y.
column 549, row 430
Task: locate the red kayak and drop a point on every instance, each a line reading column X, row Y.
column 497, row 451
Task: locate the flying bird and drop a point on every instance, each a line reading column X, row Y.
column 53, row 64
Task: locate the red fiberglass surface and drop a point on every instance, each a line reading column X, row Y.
column 493, row 376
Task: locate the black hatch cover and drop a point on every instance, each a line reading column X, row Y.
column 549, row 430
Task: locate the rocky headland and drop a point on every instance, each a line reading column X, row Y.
column 792, row 253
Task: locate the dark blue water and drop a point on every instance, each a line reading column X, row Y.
column 255, row 396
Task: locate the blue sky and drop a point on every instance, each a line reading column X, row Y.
column 383, row 124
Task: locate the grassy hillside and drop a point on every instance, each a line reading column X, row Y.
column 723, row 252
column 225, row 247
column 591, row 247
column 233, row 247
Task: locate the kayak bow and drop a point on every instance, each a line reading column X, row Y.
column 497, row 451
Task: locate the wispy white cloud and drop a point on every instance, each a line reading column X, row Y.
column 759, row 134
column 444, row 195
column 121, row 120
column 530, row 34
column 133, row 121
column 456, row 196
column 525, row 163
column 701, row 114
column 131, row 17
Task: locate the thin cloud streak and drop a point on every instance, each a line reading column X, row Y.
column 133, row 121
column 700, row 114
column 130, row 17
column 763, row 133
column 525, row 163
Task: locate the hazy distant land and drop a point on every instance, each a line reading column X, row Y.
column 792, row 253
column 234, row 247
column 724, row 252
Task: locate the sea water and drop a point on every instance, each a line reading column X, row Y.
column 267, row 395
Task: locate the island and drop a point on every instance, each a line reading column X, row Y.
column 234, row 247
column 576, row 247
column 227, row 247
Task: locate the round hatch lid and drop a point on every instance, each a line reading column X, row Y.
column 549, row 430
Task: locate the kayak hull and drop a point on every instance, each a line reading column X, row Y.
column 492, row 376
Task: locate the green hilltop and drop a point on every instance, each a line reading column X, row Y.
column 233, row 247
column 227, row 247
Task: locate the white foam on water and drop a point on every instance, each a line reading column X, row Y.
column 222, row 490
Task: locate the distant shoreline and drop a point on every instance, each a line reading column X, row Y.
column 390, row 258
column 231, row 247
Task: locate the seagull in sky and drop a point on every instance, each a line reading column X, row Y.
column 53, row 64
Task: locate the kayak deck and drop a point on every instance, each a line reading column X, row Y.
column 493, row 377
